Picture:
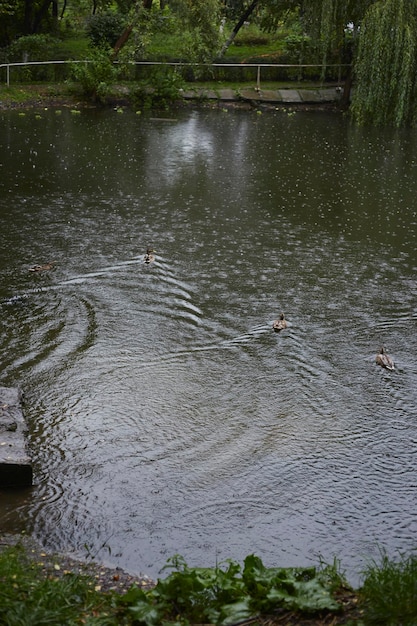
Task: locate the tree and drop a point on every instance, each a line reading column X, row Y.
column 140, row 16
column 383, row 63
column 385, row 67
column 243, row 18
column 201, row 28
column 8, row 12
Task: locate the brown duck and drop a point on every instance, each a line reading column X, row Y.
column 42, row 268
column 384, row 360
column 149, row 256
column 280, row 324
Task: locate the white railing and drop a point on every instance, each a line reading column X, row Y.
column 258, row 66
column 29, row 63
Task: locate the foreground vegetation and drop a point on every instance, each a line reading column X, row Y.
column 227, row 595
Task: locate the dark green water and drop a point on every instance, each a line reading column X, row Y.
column 165, row 415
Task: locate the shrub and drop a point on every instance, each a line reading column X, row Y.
column 33, row 48
column 96, row 75
column 162, row 88
column 105, row 29
column 226, row 596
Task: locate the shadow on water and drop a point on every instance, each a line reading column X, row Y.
column 165, row 414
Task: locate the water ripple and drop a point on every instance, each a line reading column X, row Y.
column 164, row 413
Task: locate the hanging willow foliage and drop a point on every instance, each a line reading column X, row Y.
column 385, row 90
column 327, row 20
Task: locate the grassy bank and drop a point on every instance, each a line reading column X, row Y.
column 39, row 84
column 39, row 589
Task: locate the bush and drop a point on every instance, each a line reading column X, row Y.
column 161, row 89
column 33, row 48
column 96, row 75
column 105, row 29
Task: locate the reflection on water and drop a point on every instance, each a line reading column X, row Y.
column 165, row 414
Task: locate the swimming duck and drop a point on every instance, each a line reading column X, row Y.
column 42, row 268
column 280, row 324
column 384, row 360
column 149, row 257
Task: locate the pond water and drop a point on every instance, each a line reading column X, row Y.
column 165, row 415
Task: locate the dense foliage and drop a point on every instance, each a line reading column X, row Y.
column 386, row 86
column 96, row 76
column 377, row 37
column 105, row 28
column 226, row 596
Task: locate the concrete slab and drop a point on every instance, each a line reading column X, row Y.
column 310, row 95
column 269, row 95
column 15, row 463
column 249, row 93
column 210, row 94
column 252, row 94
column 227, row 94
column 290, row 95
column 260, row 95
column 200, row 94
column 329, row 95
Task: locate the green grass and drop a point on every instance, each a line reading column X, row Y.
column 27, row 599
column 164, row 47
column 14, row 94
column 389, row 592
column 34, row 93
column 74, row 48
column 249, row 43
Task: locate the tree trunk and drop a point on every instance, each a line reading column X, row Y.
column 239, row 25
column 122, row 40
column 28, row 18
column 345, row 99
column 147, row 4
column 40, row 15
column 55, row 15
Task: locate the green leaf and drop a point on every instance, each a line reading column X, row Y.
column 308, row 597
column 146, row 613
column 236, row 612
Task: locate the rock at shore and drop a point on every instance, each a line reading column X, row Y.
column 15, row 464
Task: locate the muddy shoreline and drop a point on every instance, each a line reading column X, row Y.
column 44, row 97
column 56, row 565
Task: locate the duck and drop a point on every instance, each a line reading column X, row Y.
column 384, row 360
column 280, row 324
column 42, row 268
column 149, row 256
